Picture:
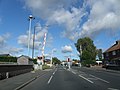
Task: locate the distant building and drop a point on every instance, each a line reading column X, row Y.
column 24, row 60
column 112, row 54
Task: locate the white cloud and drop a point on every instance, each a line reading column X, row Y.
column 66, row 49
column 45, row 8
column 6, row 48
column 69, row 19
column 104, row 15
column 14, row 50
column 39, row 35
column 61, row 12
column 23, row 40
column 3, row 39
column 11, row 50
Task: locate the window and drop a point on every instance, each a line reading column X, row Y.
column 114, row 53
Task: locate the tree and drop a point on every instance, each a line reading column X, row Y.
column 55, row 60
column 99, row 54
column 87, row 50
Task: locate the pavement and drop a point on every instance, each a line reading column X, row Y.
column 99, row 68
column 16, row 82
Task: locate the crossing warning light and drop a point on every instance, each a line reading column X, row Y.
column 40, row 58
column 68, row 60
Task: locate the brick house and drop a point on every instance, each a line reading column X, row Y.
column 112, row 54
column 24, row 60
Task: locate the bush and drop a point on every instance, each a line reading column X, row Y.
column 34, row 61
column 8, row 59
column 46, row 67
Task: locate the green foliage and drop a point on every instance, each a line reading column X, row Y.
column 34, row 61
column 46, row 67
column 88, row 50
column 55, row 60
column 99, row 53
column 8, row 59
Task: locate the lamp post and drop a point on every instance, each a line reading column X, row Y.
column 30, row 20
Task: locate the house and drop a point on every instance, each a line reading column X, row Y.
column 24, row 60
column 112, row 54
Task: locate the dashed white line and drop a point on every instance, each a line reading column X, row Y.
column 99, row 79
column 50, row 79
column 54, row 71
column 73, row 72
column 86, row 79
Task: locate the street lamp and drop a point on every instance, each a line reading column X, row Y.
column 30, row 20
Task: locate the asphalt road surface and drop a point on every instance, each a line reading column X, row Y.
column 75, row 79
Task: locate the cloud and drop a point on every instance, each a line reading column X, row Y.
column 6, row 48
column 104, row 15
column 45, row 8
column 11, row 50
column 3, row 39
column 14, row 50
column 23, row 40
column 39, row 35
column 66, row 49
column 99, row 15
column 62, row 12
column 70, row 20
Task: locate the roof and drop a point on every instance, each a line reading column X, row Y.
column 24, row 56
column 114, row 47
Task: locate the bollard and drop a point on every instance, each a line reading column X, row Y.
column 7, row 74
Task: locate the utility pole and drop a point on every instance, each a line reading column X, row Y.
column 29, row 33
column 33, row 42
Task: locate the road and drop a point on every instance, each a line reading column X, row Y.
column 76, row 79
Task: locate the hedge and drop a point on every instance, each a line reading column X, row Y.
column 8, row 59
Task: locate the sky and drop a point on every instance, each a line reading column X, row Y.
column 64, row 21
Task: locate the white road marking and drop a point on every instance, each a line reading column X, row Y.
column 73, row 72
column 51, row 76
column 86, row 79
column 50, row 79
column 54, row 71
column 112, row 89
column 99, row 79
